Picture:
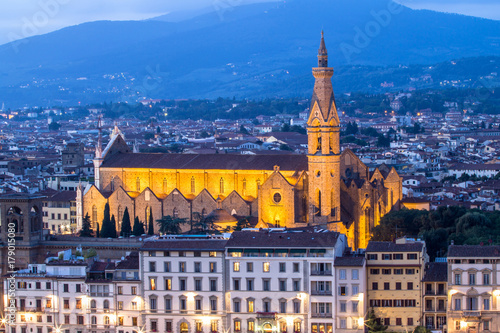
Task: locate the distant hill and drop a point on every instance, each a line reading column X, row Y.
column 254, row 51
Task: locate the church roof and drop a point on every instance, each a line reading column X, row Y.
column 206, row 161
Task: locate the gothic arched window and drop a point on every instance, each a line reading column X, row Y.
column 221, row 185
column 193, row 188
column 138, row 184
column 94, row 215
column 165, row 183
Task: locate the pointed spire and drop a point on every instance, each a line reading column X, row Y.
column 322, row 46
column 322, row 52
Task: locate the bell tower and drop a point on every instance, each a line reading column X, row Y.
column 323, row 146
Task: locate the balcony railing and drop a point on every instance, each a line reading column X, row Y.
column 471, row 313
column 321, row 315
column 325, row 272
column 266, row 315
column 430, row 292
column 321, row 292
column 100, row 294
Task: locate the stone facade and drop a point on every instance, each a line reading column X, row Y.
column 325, row 188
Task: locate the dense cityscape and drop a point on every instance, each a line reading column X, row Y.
column 346, row 212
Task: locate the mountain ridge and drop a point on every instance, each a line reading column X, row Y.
column 237, row 52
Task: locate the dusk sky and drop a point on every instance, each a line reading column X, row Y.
column 25, row 18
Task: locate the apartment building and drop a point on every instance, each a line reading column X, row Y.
column 350, row 272
column 59, row 213
column 260, row 281
column 69, row 296
column 183, row 280
column 473, row 288
column 394, row 275
column 282, row 281
column 49, row 296
column 435, row 295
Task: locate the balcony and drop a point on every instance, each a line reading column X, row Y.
column 430, row 293
column 321, row 315
column 100, row 294
column 33, row 309
column 471, row 313
column 321, row 292
column 326, row 272
column 270, row 315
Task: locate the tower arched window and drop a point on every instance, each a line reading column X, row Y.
column 147, row 214
column 221, row 185
column 319, row 203
column 175, row 213
column 244, row 188
column 120, row 214
column 319, row 142
column 193, row 188
column 112, row 185
column 138, row 184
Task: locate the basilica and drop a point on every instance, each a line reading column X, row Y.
column 327, row 188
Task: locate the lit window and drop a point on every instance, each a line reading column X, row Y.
column 266, row 267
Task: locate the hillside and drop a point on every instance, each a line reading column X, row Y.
column 255, row 51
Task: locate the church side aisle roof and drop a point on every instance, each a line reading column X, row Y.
column 206, row 161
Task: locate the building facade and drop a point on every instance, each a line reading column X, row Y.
column 395, row 272
column 473, row 289
column 326, row 187
column 256, row 282
column 435, row 296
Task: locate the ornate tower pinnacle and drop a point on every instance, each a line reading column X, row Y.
column 322, row 52
column 323, row 145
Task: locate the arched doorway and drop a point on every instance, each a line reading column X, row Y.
column 267, row 328
column 184, row 327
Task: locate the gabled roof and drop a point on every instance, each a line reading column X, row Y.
column 206, row 161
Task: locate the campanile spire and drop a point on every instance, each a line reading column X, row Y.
column 323, row 145
column 322, row 52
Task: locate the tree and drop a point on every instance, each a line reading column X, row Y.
column 86, row 230
column 151, row 227
column 170, row 226
column 373, row 323
column 206, row 225
column 138, row 227
column 242, row 223
column 126, row 227
column 106, row 229
column 112, row 227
